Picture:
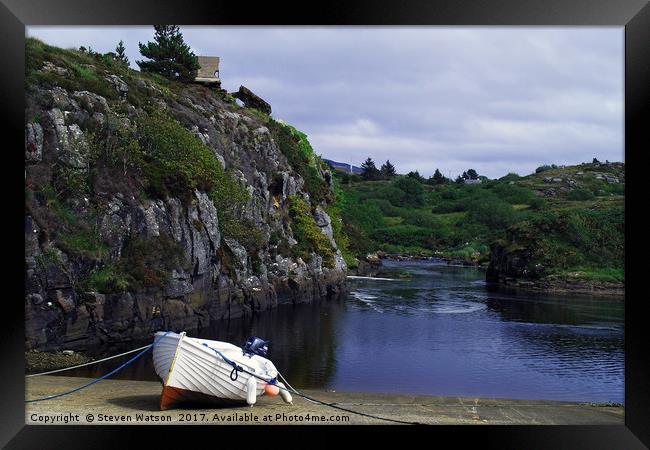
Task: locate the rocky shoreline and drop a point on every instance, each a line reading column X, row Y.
column 566, row 286
column 372, row 265
column 37, row 361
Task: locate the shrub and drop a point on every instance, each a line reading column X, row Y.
column 580, row 194
column 413, row 191
column 390, row 193
column 149, row 261
column 403, row 235
column 385, row 206
column 543, row 168
column 308, row 234
column 537, row 203
column 511, row 176
column 340, row 237
column 493, row 213
column 300, row 155
column 176, row 161
column 84, row 242
column 421, row 219
column 106, row 280
column 230, row 197
column 513, row 194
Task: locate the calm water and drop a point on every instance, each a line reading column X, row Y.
column 440, row 332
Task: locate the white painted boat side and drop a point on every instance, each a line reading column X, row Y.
column 186, row 363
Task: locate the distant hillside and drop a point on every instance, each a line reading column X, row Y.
column 561, row 225
column 343, row 167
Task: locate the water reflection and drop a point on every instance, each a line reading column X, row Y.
column 303, row 339
column 441, row 332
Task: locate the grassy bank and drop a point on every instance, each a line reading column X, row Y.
column 567, row 222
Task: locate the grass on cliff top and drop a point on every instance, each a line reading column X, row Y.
column 82, row 69
column 86, row 71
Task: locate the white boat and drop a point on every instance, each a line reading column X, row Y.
column 193, row 370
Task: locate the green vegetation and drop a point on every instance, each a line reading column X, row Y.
column 169, row 55
column 144, row 263
column 580, row 194
column 574, row 242
column 576, row 232
column 295, row 146
column 340, row 237
column 176, row 161
column 48, row 257
column 309, row 236
column 106, row 280
column 79, row 74
column 84, row 242
column 137, row 151
column 120, row 54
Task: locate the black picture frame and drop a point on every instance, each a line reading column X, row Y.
column 634, row 15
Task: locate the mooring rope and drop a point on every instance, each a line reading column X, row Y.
column 97, row 380
column 332, row 405
column 238, row 368
column 88, row 363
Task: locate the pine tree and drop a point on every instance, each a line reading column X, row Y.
column 169, row 55
column 438, row 178
column 369, row 170
column 416, row 176
column 472, row 174
column 387, row 170
column 120, row 53
column 465, row 176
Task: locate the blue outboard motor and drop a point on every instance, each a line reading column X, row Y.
column 256, row 346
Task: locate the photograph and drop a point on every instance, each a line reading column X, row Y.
column 370, row 218
column 324, row 225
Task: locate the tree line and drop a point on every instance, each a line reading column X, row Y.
column 370, row 172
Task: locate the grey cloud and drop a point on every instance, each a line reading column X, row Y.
column 496, row 99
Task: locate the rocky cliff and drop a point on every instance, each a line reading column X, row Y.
column 577, row 251
column 156, row 205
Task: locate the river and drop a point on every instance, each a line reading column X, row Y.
column 439, row 332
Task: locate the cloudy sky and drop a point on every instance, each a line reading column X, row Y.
column 498, row 100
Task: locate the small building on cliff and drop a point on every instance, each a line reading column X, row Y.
column 209, row 71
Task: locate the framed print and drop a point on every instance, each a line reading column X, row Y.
column 350, row 216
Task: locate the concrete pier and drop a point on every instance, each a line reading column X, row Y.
column 112, row 402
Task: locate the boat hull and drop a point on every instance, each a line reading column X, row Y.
column 192, row 372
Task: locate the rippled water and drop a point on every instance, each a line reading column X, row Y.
column 441, row 332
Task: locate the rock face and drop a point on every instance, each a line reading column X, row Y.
column 251, row 100
column 506, row 265
column 516, row 263
column 215, row 277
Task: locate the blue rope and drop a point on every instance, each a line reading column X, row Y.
column 50, row 397
column 236, row 368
